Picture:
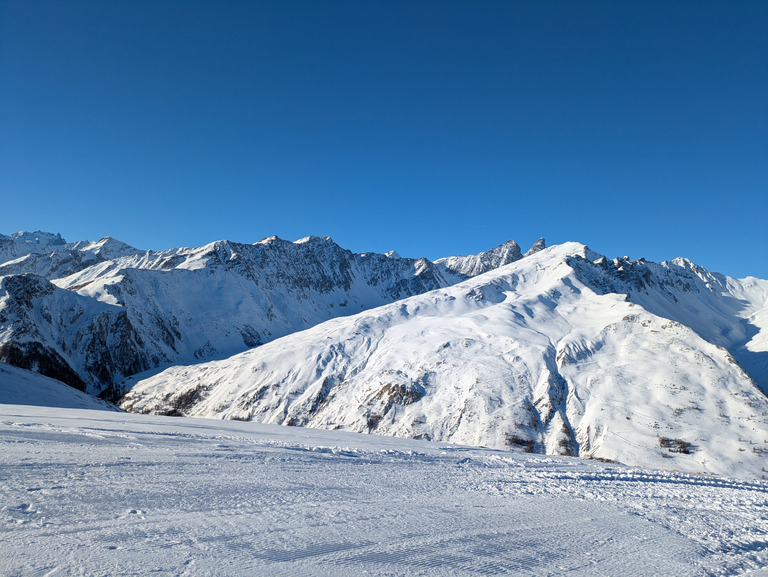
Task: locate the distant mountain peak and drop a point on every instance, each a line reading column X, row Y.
column 313, row 239
column 38, row 237
column 562, row 353
column 537, row 246
column 110, row 247
column 475, row 264
column 541, row 338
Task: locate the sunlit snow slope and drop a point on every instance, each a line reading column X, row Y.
column 562, row 352
column 101, row 493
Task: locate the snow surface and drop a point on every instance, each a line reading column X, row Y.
column 18, row 386
column 48, row 255
column 560, row 352
column 87, row 492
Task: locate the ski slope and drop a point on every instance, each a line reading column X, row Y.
column 94, row 492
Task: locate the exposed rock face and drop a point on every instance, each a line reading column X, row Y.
column 50, row 256
column 561, row 351
column 730, row 313
column 536, row 247
column 66, row 336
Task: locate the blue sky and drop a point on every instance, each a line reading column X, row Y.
column 430, row 127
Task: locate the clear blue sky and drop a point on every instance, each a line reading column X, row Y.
column 429, row 127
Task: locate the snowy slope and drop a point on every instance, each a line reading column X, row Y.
column 540, row 354
column 560, row 351
column 100, row 493
column 731, row 313
column 21, row 243
column 98, row 312
column 22, row 387
column 225, row 297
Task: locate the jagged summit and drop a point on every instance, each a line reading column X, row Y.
column 313, row 238
column 185, row 304
column 37, row 237
column 473, row 265
column 22, row 243
column 49, row 255
column 303, row 240
column 269, row 239
column 536, row 247
column 108, row 247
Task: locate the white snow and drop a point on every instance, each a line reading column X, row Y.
column 18, row 386
column 185, row 304
column 563, row 351
column 39, row 238
column 89, row 492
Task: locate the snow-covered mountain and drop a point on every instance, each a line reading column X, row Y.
column 558, row 351
column 730, row 313
column 91, row 314
column 562, row 352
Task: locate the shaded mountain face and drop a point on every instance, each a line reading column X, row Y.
column 561, row 352
column 729, row 313
column 24, row 387
column 66, row 336
column 92, row 314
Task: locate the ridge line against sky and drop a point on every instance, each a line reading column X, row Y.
column 434, row 128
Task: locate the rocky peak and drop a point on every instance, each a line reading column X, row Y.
column 539, row 245
column 475, row 264
column 38, row 237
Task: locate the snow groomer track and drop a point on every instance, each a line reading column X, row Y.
column 95, row 492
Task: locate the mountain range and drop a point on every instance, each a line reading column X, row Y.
column 558, row 351
column 92, row 313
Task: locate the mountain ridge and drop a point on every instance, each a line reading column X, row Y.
column 182, row 304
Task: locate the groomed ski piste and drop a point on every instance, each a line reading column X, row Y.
column 86, row 490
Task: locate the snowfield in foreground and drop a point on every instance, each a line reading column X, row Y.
column 96, row 492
